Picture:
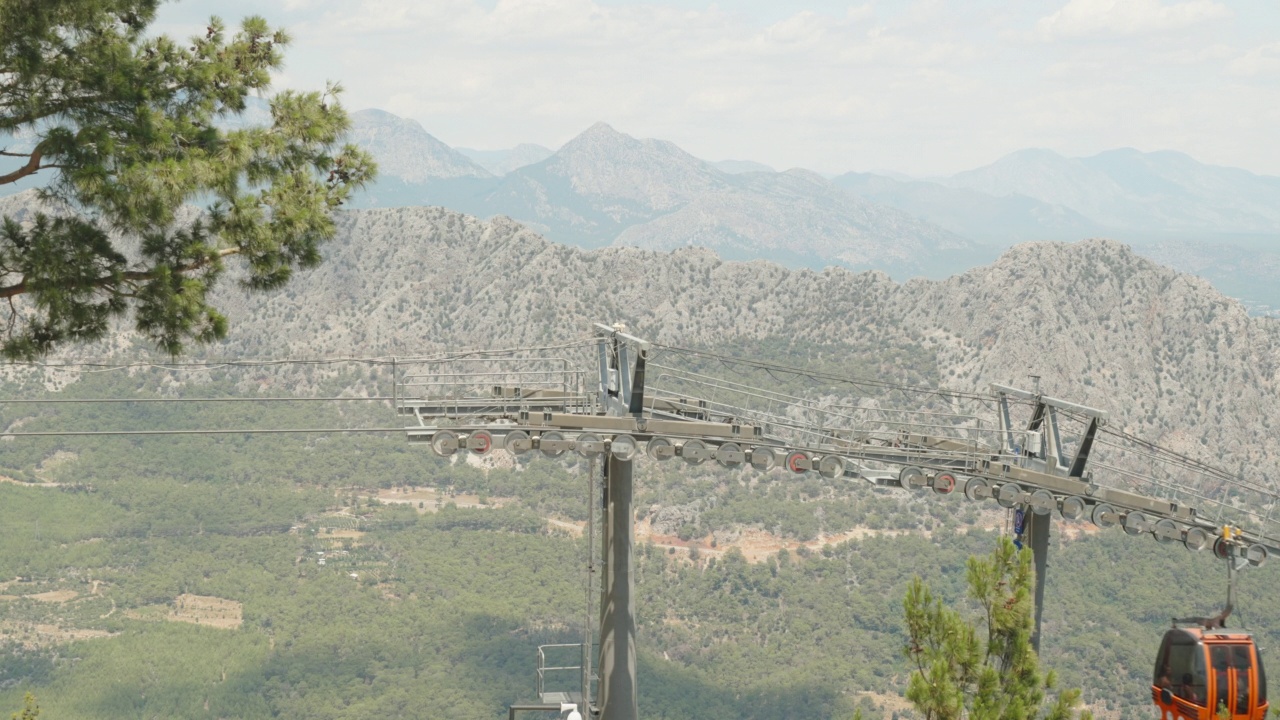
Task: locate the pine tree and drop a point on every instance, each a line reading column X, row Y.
column 30, row 709
column 129, row 127
column 984, row 669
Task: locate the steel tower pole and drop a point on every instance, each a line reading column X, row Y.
column 617, row 664
column 1039, row 532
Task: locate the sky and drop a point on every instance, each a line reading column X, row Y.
column 924, row 88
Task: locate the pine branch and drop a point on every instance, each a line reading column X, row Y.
column 31, row 168
column 133, row 276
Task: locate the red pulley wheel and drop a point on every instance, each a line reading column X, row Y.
column 799, row 462
column 1221, row 548
column 480, row 442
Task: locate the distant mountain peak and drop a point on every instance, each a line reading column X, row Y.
column 405, row 150
column 654, row 174
column 601, row 135
column 603, row 138
column 601, row 127
column 382, row 115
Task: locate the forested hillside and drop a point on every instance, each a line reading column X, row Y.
column 181, row 577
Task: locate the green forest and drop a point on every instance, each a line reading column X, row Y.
column 111, row 544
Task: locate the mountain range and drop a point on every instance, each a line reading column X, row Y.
column 1147, row 194
column 604, row 187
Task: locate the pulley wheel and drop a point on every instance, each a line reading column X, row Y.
column 624, row 447
column 1256, row 555
column 1042, row 502
column 730, row 455
column 517, row 442
column 1135, row 523
column 1166, row 531
column 1072, row 507
column 1196, row 539
column 763, row 458
column 661, row 448
column 1221, row 549
column 913, row 478
column 1105, row 516
column 977, row 489
column 799, row 462
column 831, row 467
column 694, row 452
column 480, row 442
column 589, row 445
column 552, row 444
column 444, row 443
column 1009, row 495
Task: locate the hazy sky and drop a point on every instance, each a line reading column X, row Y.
column 929, row 87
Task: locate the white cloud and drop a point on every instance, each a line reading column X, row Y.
column 1263, row 60
column 1101, row 18
column 857, row 13
column 804, row 28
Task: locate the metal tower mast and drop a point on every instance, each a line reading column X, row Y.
column 624, row 396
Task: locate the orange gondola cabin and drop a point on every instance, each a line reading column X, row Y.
column 1200, row 671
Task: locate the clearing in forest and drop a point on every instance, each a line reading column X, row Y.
column 42, row 635
column 58, row 596
column 426, row 499
column 195, row 609
column 207, row 610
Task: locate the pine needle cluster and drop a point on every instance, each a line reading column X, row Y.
column 984, row 669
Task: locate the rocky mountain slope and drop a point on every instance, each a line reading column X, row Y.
column 975, row 215
column 737, row 167
column 1247, row 271
column 797, row 218
column 1151, row 193
column 405, row 151
column 1170, row 357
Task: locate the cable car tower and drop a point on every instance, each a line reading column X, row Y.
column 614, row 396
